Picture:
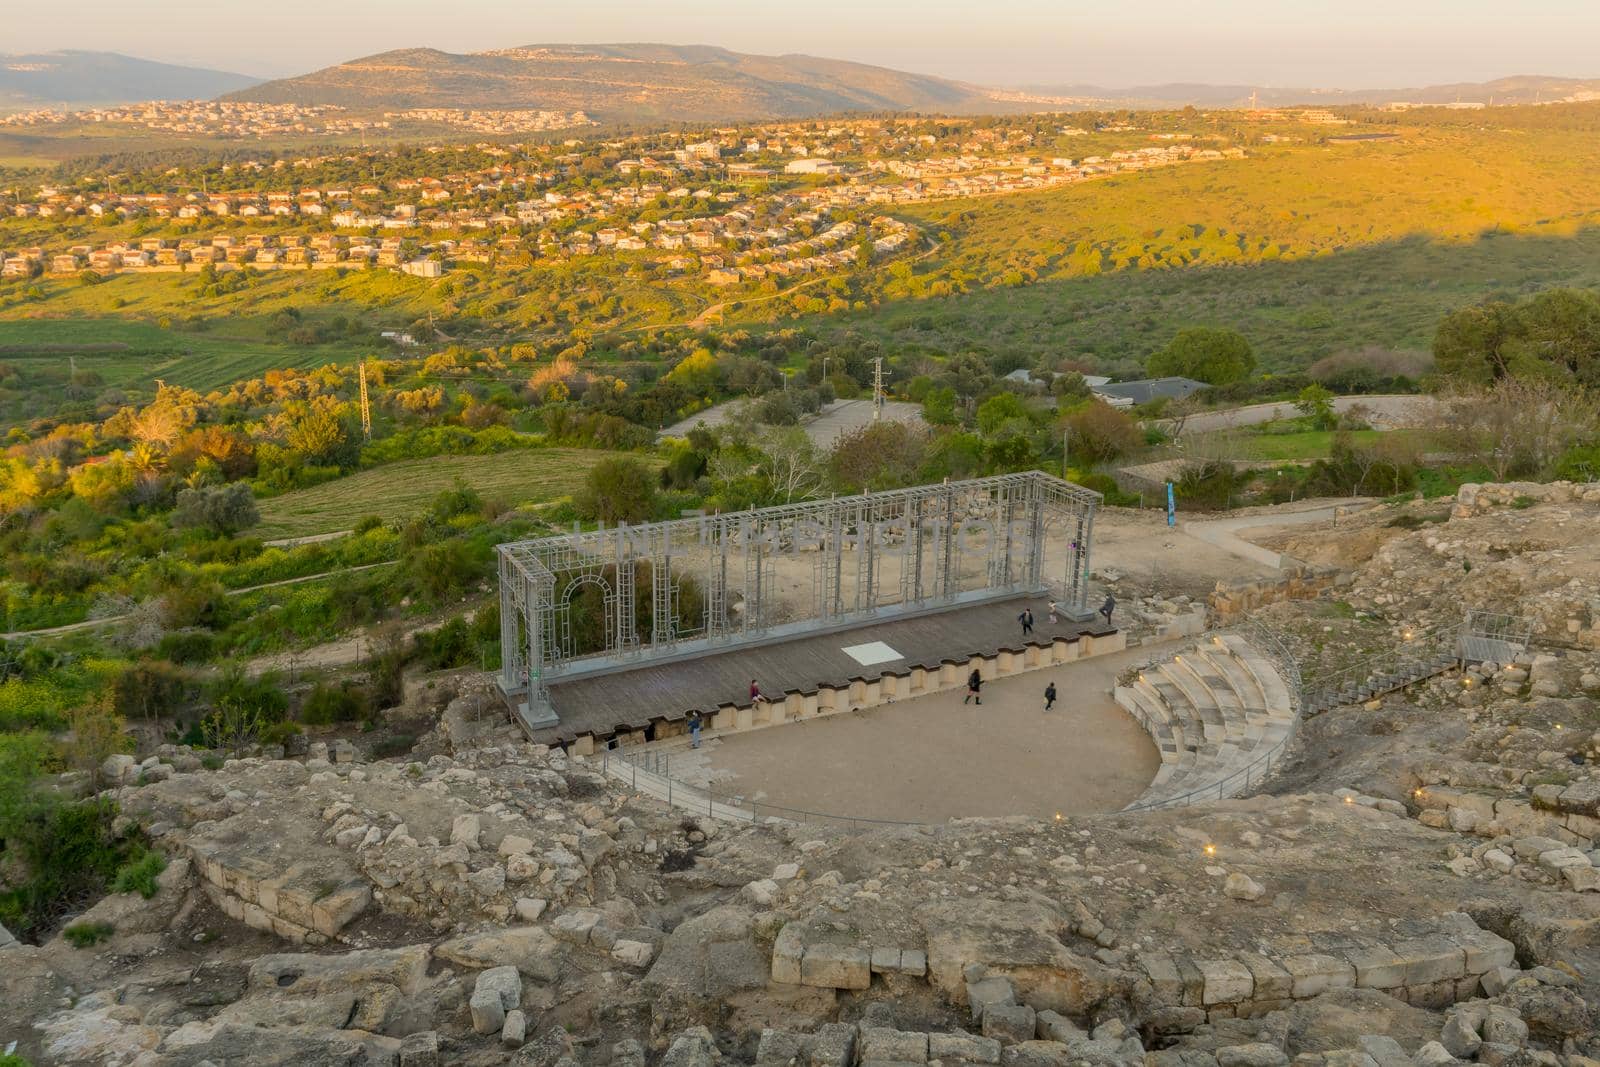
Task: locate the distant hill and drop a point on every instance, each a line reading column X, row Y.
column 106, row 78
column 1520, row 89
column 627, row 82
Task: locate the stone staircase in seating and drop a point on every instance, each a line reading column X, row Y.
column 1219, row 712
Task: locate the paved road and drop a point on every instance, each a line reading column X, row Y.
column 1385, row 412
column 836, row 418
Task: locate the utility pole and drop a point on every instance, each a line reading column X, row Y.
column 366, row 412
column 877, row 388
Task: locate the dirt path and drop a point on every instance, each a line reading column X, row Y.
column 932, row 758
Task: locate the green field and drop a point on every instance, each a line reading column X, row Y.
column 399, row 491
column 1302, row 446
column 200, row 361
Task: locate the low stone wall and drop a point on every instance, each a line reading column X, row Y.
column 1231, row 601
column 1477, row 499
column 857, row 694
column 303, row 902
column 1430, row 964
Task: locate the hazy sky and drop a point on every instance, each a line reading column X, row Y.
column 1117, row 43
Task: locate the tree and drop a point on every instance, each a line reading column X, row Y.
column 1316, row 404
column 618, row 489
column 939, row 406
column 1557, row 333
column 224, row 509
column 1099, row 432
column 790, row 462
column 97, row 731
column 880, row 455
column 999, row 410
column 1206, row 354
column 318, row 435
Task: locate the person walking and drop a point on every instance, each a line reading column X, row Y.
column 756, row 695
column 1108, row 607
column 974, row 687
column 1049, row 696
column 694, row 729
column 1026, row 619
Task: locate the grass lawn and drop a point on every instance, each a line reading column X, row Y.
column 1302, row 446
column 404, row 489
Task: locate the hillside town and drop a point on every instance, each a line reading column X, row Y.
column 241, row 120
column 730, row 207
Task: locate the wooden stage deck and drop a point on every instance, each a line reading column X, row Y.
column 629, row 699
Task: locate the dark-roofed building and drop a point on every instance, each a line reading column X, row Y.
column 1132, row 394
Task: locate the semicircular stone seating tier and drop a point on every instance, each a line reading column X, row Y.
column 1215, row 711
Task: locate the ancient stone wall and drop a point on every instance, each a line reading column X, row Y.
column 1231, row 601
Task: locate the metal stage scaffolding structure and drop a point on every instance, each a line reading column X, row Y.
column 714, row 583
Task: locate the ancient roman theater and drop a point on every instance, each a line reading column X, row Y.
column 826, row 648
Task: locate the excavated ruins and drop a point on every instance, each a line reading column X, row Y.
column 1406, row 875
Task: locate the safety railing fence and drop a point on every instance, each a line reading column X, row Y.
column 1417, row 656
column 649, row 771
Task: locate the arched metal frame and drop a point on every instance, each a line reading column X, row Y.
column 877, row 556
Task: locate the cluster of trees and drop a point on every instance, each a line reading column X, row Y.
column 1554, row 335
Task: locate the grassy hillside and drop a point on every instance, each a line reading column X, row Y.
column 1304, row 249
column 404, row 489
column 631, row 82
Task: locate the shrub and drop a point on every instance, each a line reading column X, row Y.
column 368, row 523
column 327, row 704
column 139, row 874
column 618, row 489
column 451, row 645
column 224, row 509
column 1209, row 355
column 188, row 646
column 86, row 935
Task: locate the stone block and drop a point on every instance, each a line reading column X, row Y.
column 900, row 1046
column 1009, row 1024
column 914, row 961
column 1485, row 951
column 1226, row 982
column 488, row 1013
column 1384, row 1050
column 420, row 1050
column 464, row 830
column 1431, row 959
column 576, row 926
column 1259, row 1054
column 963, row 1048
column 1163, row 974
column 515, row 1029
column 836, row 967
column 1581, row 879
column 1050, row 1026
column 633, row 953
column 1194, row 983
column 786, row 953
column 833, row 1045
column 1377, row 967
column 779, row 1047
column 885, row 960
column 1271, row 981
column 1316, row 973
column 331, row 912
column 989, row 992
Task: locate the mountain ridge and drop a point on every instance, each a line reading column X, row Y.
column 625, row 81
column 79, row 76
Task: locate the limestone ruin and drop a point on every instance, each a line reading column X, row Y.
column 1413, row 878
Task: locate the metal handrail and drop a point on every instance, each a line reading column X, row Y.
column 1257, row 770
column 653, row 769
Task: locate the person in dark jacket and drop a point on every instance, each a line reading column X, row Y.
column 1108, row 607
column 974, row 687
column 1026, row 619
column 1049, row 696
